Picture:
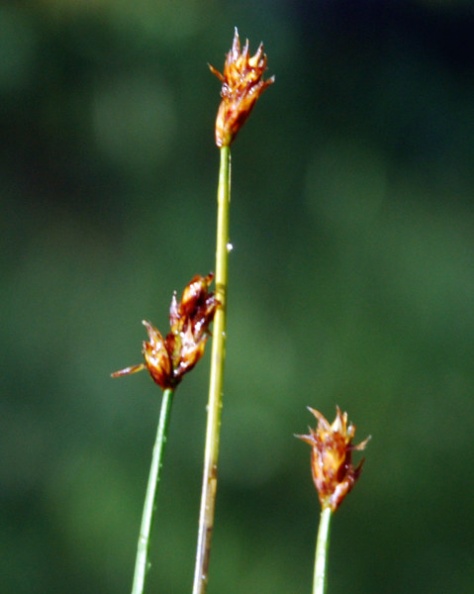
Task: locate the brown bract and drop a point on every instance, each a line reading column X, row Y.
column 242, row 85
column 331, row 458
column 168, row 359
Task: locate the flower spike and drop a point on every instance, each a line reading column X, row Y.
column 331, row 458
column 242, row 84
column 168, row 359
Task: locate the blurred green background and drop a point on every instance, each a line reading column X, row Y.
column 352, row 283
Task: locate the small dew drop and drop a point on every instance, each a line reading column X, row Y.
column 229, row 247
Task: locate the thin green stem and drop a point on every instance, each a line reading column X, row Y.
column 141, row 561
column 211, row 452
column 322, row 547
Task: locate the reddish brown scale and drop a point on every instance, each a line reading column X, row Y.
column 242, row 84
column 168, row 359
column 331, row 458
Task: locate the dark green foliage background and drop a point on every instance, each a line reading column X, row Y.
column 352, row 283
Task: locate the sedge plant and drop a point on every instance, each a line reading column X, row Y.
column 242, row 84
column 334, row 476
column 167, row 360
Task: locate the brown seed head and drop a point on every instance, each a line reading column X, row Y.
column 242, row 85
column 168, row 359
column 331, row 458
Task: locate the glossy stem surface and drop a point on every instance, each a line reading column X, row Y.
column 322, row 549
column 142, row 562
column 214, row 407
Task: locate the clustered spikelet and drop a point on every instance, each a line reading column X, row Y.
column 168, row 359
column 331, row 458
column 242, row 85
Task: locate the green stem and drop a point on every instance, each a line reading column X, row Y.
column 141, row 562
column 322, row 547
column 211, row 452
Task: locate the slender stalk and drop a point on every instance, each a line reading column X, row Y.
column 141, row 561
column 211, row 452
column 322, row 547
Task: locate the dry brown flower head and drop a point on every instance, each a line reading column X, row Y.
column 242, row 85
column 168, row 359
column 331, row 458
